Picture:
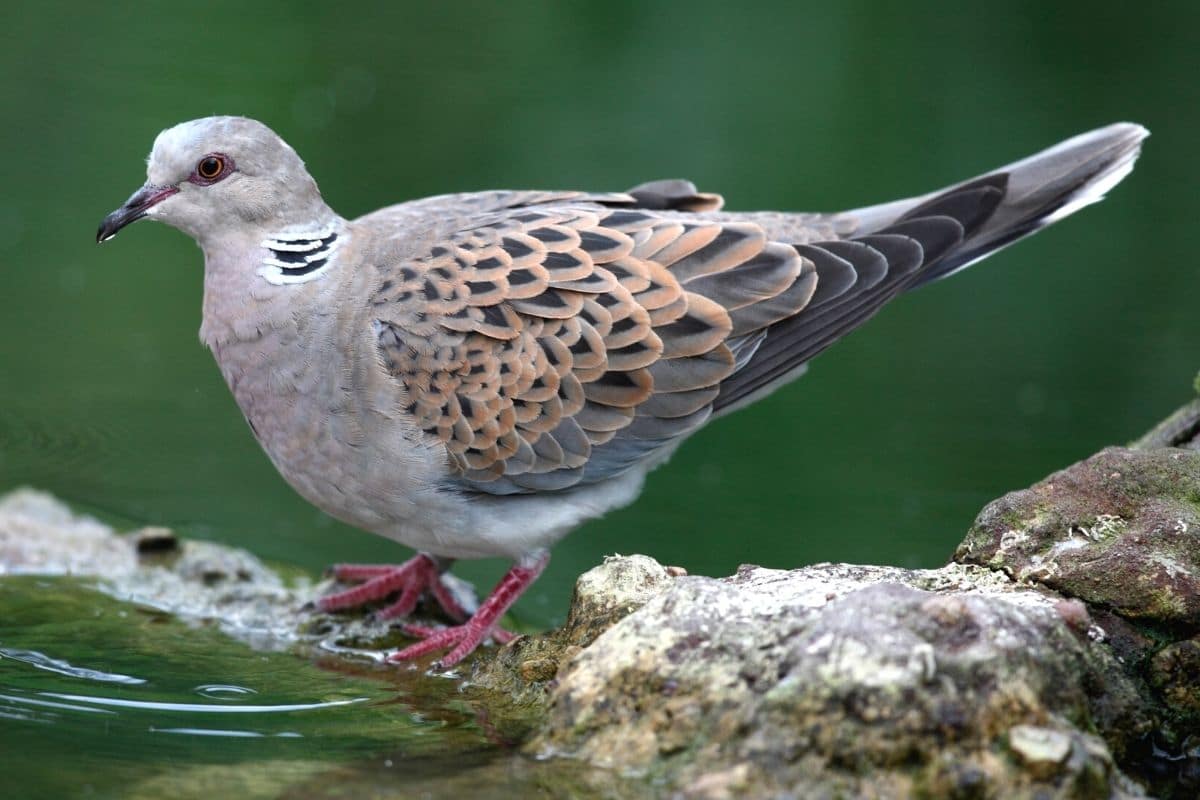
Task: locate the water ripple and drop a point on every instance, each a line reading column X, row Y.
column 42, row 661
column 229, row 733
column 223, row 691
column 29, row 701
column 199, row 708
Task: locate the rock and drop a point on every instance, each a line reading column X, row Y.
column 722, row 784
column 612, row 591
column 1043, row 749
column 603, row 596
column 39, row 535
column 1174, row 672
column 192, row 579
column 855, row 681
column 195, row 580
column 1119, row 530
column 1180, row 429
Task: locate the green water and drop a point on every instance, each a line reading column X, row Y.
column 133, row 704
column 883, row 453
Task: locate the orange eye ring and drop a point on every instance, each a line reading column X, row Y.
column 210, row 167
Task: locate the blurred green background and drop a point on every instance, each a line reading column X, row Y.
column 883, row 453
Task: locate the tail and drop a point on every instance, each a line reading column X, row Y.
column 908, row 243
column 1012, row 202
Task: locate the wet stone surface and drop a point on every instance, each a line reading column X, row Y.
column 196, row 580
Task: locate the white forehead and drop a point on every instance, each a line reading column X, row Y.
column 188, row 138
column 176, row 149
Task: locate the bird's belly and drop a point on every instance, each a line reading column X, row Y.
column 373, row 485
column 370, row 469
column 301, row 439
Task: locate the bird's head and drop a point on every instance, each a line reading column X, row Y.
column 209, row 175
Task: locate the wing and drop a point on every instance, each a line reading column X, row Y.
column 551, row 345
column 560, row 342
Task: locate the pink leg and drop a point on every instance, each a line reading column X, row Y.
column 360, row 572
column 412, row 578
column 462, row 639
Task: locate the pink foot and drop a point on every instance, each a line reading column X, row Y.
column 414, row 577
column 463, row 639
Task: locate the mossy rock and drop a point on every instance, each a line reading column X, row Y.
column 1119, row 530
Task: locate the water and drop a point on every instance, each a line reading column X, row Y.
column 1078, row 338
column 103, row 699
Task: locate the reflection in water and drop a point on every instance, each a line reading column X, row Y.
column 331, row 646
column 200, row 708
column 223, row 690
column 235, row 734
column 29, row 701
column 41, row 661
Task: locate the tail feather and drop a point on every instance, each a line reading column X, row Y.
column 908, row 243
column 1029, row 195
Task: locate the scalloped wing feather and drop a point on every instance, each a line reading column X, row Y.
column 567, row 338
column 555, row 339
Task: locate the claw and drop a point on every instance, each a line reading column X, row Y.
column 412, row 579
column 463, row 639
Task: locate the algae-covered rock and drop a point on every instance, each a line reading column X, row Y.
column 1120, row 533
column 1119, row 530
column 1175, row 672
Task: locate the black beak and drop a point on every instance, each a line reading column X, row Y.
column 134, row 209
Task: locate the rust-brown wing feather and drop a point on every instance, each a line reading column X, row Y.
column 558, row 339
column 548, row 345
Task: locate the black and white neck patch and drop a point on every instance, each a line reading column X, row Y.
column 298, row 256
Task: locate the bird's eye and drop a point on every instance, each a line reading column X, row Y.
column 210, row 167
